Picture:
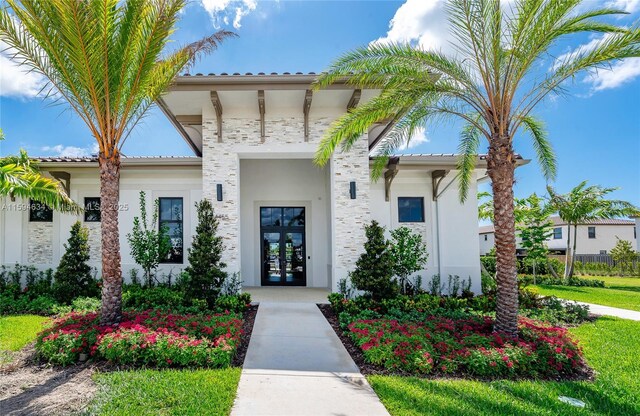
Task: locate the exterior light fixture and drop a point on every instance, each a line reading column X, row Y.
column 352, row 190
column 219, row 192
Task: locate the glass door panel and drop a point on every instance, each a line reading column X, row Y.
column 283, row 246
column 271, row 258
column 294, row 258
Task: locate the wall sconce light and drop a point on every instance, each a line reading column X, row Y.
column 352, row 190
column 219, row 192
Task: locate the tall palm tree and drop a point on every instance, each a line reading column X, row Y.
column 492, row 85
column 580, row 206
column 107, row 60
column 20, row 177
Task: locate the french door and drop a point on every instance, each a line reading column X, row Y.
column 283, row 250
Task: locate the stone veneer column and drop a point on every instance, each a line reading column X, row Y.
column 40, row 243
column 221, row 165
column 349, row 216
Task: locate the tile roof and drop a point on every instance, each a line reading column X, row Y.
column 222, row 74
column 85, row 159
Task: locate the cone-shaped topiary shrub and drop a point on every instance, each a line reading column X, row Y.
column 374, row 268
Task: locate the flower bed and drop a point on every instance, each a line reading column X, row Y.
column 149, row 338
column 467, row 347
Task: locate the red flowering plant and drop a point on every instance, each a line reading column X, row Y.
column 467, row 346
column 151, row 337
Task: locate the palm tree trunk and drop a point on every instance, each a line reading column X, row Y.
column 573, row 251
column 501, row 168
column 567, row 254
column 111, row 268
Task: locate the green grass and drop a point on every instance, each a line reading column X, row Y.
column 16, row 332
column 610, row 346
column 620, row 292
column 165, row 392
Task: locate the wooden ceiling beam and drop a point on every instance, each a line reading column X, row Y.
column 306, row 108
column 355, row 99
column 261, row 108
column 217, row 106
column 189, row 119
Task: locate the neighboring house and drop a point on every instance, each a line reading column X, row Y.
column 637, row 232
column 595, row 237
column 284, row 220
column 487, row 239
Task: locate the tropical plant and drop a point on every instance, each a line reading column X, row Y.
column 580, row 206
column 492, row 84
column 20, row 177
column 409, row 254
column 374, row 267
column 107, row 60
column 205, row 275
column 73, row 276
column 624, row 254
column 149, row 245
column 535, row 229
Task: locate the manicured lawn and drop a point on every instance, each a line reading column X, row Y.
column 610, row 346
column 166, row 392
column 18, row 331
column 620, row 292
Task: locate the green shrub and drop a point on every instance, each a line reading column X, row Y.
column 551, row 280
column 73, row 275
column 374, row 268
column 233, row 303
column 135, row 297
column 40, row 305
column 205, row 275
column 80, row 304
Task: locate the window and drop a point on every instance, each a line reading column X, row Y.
column 557, row 233
column 171, row 217
column 603, row 251
column 39, row 212
column 592, row 232
column 485, row 237
column 92, row 210
column 411, row 209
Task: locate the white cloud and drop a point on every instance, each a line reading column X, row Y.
column 420, row 137
column 614, row 76
column 71, row 151
column 420, row 21
column 619, row 74
column 16, row 81
column 629, row 6
column 221, row 10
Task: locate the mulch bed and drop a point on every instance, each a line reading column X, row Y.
column 587, row 373
column 247, row 328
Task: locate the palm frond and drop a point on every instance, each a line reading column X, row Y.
column 468, row 149
column 543, row 148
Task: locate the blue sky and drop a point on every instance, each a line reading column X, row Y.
column 595, row 130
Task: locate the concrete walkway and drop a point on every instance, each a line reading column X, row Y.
column 296, row 365
column 611, row 311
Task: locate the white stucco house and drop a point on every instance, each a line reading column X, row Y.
column 594, row 237
column 285, row 221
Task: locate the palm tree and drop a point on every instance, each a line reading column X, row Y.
column 580, row 206
column 492, row 85
column 107, row 60
column 20, row 177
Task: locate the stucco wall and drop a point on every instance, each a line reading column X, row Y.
column 42, row 244
column 455, row 223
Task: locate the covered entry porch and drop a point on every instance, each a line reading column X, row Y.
column 285, row 223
